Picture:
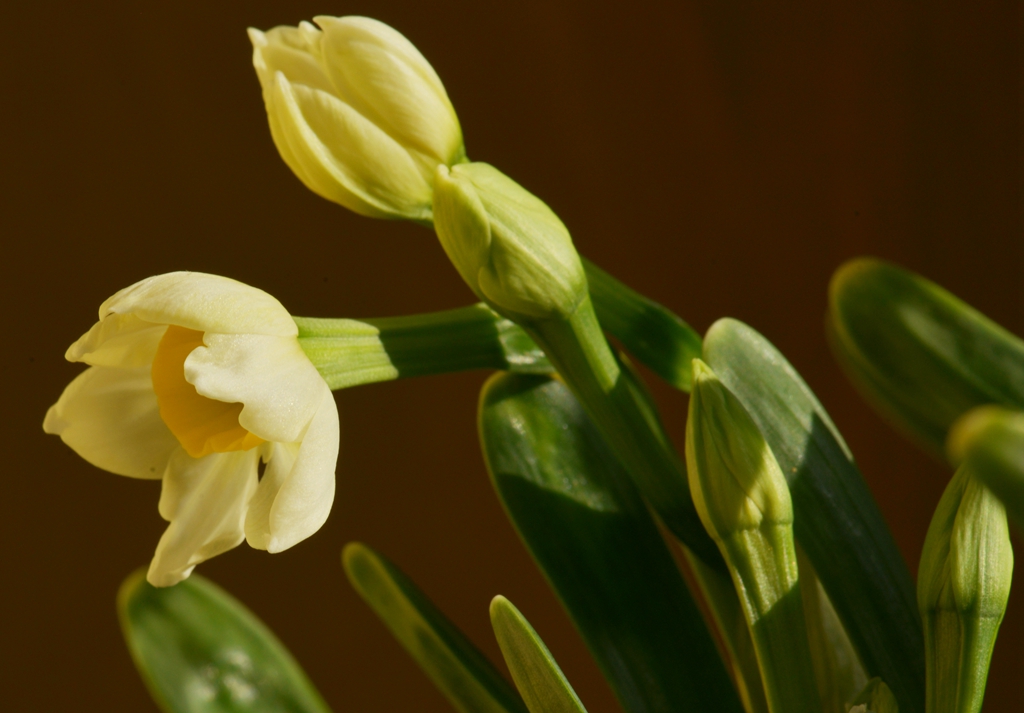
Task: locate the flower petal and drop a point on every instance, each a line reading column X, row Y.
column 280, row 462
column 346, row 158
column 208, row 303
column 118, row 340
column 382, row 74
column 300, row 489
column 110, row 417
column 279, row 387
column 205, row 499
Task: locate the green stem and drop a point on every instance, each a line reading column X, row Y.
column 348, row 352
column 616, row 402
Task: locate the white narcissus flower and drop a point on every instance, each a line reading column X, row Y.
column 194, row 379
column 357, row 113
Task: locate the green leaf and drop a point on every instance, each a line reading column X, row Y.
column 919, row 354
column 992, row 439
column 450, row 660
column 654, row 335
column 594, row 539
column 534, row 670
column 200, row 650
column 836, row 520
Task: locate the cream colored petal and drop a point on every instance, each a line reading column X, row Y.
column 346, row 158
column 110, row 417
column 271, row 376
column 303, row 496
column 205, row 499
column 208, row 303
column 288, row 53
column 122, row 340
column 380, row 73
column 281, row 461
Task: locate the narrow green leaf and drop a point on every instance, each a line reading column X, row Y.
column 590, row 532
column 654, row 335
column 922, row 356
column 992, row 439
column 836, row 520
column 450, row 660
column 537, row 675
column 199, row 650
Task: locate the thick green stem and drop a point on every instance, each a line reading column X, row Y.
column 616, row 402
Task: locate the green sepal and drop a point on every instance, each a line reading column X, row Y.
column 836, row 520
column 458, row 669
column 199, row 650
column 992, row 440
column 654, row 335
column 533, row 668
column 919, row 354
column 588, row 529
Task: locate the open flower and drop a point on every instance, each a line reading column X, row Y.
column 357, row 113
column 195, row 379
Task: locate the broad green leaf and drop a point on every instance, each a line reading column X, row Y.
column 595, row 541
column 920, row 355
column 836, row 520
column 450, row 660
column 537, row 675
column 654, row 335
column 992, row 439
column 199, row 650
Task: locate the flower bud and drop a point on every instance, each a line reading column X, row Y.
column 736, row 483
column 743, row 500
column 509, row 247
column 357, row 113
column 992, row 439
column 963, row 585
column 875, row 698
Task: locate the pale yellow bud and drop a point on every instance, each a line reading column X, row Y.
column 357, row 113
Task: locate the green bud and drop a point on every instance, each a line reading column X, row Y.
column 509, row 247
column 992, row 439
column 743, row 500
column 875, row 698
column 962, row 590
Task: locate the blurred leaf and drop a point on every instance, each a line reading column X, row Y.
column 836, row 520
column 450, row 660
column 919, row 354
column 992, row 439
column 595, row 541
column 200, row 650
column 537, row 675
column 654, row 335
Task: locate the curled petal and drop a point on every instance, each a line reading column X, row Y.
column 271, row 376
column 382, row 74
column 110, row 417
column 207, row 303
column 121, row 340
column 205, row 499
column 296, row 493
column 346, row 158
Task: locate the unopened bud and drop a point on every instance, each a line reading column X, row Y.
column 962, row 589
column 509, row 247
column 357, row 113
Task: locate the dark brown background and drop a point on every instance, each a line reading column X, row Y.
column 724, row 161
